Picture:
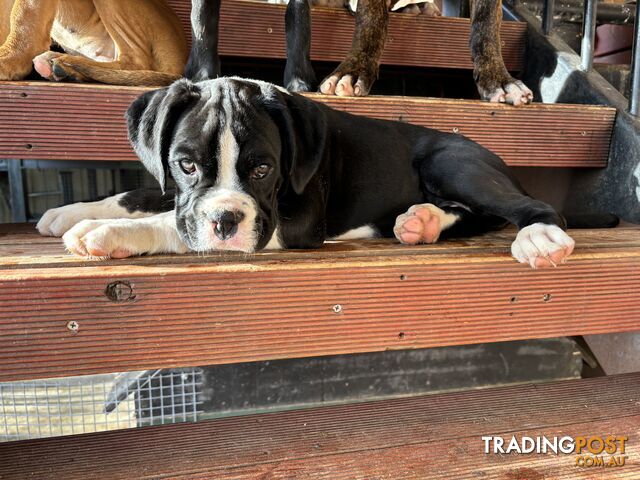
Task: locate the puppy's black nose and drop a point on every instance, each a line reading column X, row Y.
column 227, row 225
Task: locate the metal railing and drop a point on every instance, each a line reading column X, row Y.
column 588, row 34
column 588, row 45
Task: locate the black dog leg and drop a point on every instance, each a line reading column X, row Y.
column 465, row 179
column 148, row 200
column 465, row 173
column 204, row 63
column 298, row 73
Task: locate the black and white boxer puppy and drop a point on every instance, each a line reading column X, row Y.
column 258, row 167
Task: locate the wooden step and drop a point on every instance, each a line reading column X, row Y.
column 256, row 29
column 348, row 297
column 51, row 121
column 429, row 437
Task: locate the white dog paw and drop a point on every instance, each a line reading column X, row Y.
column 104, row 239
column 541, row 245
column 125, row 237
column 57, row 221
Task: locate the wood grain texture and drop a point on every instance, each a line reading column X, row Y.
column 256, row 29
column 223, row 308
column 48, row 121
column 428, row 437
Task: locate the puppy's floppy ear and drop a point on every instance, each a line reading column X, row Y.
column 151, row 120
column 303, row 130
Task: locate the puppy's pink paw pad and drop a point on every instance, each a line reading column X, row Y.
column 421, row 224
column 413, row 224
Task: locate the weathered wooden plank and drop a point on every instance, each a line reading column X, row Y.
column 223, row 308
column 413, row 438
column 85, row 122
column 256, row 29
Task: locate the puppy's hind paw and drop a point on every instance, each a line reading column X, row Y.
column 422, row 224
column 541, row 245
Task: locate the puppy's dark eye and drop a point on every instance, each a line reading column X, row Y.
column 260, row 171
column 188, row 167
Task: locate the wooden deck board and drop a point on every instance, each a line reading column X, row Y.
column 433, row 437
column 194, row 310
column 49, row 121
column 256, row 29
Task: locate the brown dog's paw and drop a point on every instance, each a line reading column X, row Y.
column 513, row 92
column 43, row 64
column 350, row 80
column 51, row 65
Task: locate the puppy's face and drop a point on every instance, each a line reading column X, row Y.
column 230, row 146
column 225, row 159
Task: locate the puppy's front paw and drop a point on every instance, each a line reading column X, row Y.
column 56, row 221
column 541, row 245
column 103, row 239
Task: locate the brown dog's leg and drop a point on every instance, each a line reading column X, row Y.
column 64, row 67
column 356, row 74
column 5, row 23
column 142, row 43
column 29, row 35
column 493, row 81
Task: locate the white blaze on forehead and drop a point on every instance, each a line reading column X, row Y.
column 228, row 152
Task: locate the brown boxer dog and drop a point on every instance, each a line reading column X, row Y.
column 119, row 42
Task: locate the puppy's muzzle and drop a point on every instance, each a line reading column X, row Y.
column 225, row 226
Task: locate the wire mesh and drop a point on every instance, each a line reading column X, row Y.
column 67, row 406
